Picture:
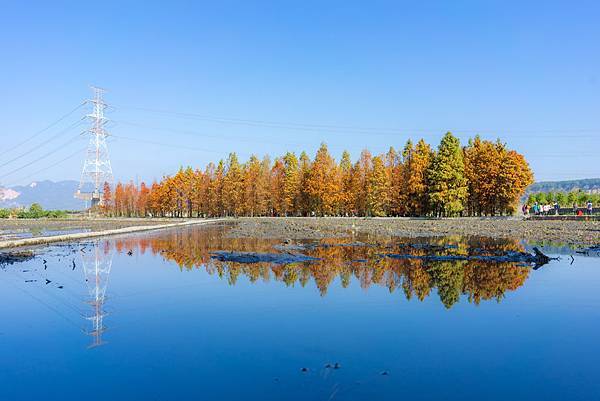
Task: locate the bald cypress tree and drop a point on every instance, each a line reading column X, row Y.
column 291, row 183
column 233, row 186
column 448, row 188
column 378, row 189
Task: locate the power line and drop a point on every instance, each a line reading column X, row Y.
column 196, row 133
column 353, row 129
column 71, row 140
column 44, row 129
column 170, row 145
column 76, row 153
column 61, row 132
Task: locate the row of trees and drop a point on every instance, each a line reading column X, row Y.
column 483, row 178
column 564, row 199
column 34, row 211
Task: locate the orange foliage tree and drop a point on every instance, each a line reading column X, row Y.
column 483, row 178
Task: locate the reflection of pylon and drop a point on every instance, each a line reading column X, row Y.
column 96, row 267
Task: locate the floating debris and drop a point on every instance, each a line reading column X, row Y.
column 255, row 257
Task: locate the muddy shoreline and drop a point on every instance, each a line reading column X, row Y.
column 567, row 232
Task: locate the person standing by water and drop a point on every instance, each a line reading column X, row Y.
column 575, row 208
column 556, row 207
column 590, row 207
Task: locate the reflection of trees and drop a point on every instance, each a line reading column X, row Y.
column 478, row 280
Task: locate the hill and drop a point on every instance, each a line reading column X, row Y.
column 587, row 185
column 51, row 195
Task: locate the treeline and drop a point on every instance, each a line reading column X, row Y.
column 564, row 199
column 585, row 185
column 35, row 211
column 482, row 178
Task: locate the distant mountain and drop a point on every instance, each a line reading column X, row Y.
column 586, row 185
column 51, row 195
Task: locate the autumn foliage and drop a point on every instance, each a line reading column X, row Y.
column 482, row 178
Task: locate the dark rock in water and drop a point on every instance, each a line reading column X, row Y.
column 537, row 258
column 304, row 370
column 255, row 257
column 8, row 258
column 587, row 251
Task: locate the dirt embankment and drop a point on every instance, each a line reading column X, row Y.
column 46, row 231
column 34, row 227
column 570, row 232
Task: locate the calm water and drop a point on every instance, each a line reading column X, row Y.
column 152, row 317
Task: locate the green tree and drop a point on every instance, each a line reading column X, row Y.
column 447, row 182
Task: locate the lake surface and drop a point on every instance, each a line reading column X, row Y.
column 153, row 317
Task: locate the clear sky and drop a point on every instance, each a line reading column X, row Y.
column 353, row 74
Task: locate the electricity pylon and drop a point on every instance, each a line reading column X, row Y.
column 96, row 268
column 96, row 167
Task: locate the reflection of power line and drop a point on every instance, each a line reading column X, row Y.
column 45, row 304
column 96, row 268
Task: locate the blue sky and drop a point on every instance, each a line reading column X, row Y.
column 377, row 72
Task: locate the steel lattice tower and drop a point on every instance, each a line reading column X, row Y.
column 96, row 168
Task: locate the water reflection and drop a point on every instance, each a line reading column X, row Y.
column 97, row 263
column 415, row 278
